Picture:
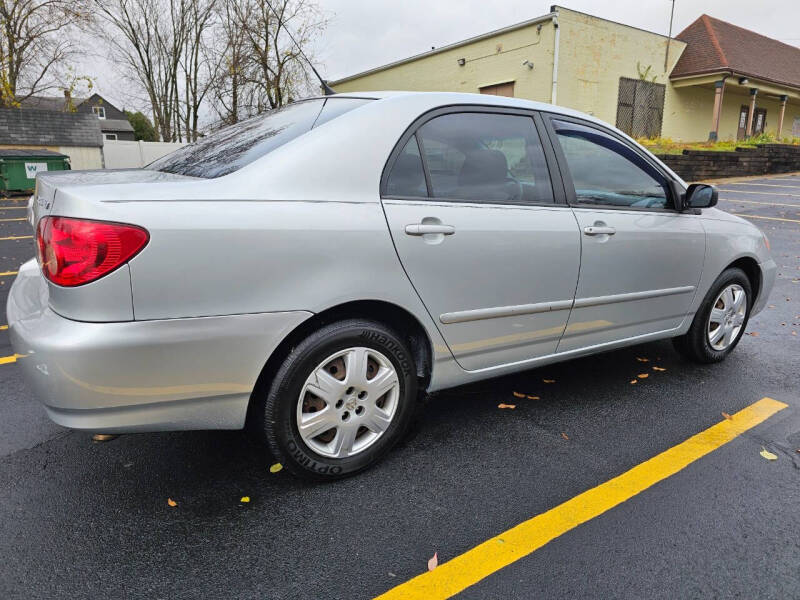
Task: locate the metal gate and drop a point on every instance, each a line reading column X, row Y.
column 640, row 107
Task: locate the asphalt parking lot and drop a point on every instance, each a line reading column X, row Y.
column 83, row 519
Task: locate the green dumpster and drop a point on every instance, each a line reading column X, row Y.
column 18, row 168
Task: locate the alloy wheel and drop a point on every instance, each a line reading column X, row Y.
column 727, row 316
column 348, row 402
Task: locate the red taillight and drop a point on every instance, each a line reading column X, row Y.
column 76, row 251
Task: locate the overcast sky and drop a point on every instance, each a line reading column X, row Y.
column 368, row 33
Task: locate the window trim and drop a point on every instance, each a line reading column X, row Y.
column 97, row 110
column 569, row 185
column 559, row 199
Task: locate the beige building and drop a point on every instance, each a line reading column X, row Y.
column 713, row 80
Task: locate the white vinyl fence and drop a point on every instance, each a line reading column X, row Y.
column 131, row 155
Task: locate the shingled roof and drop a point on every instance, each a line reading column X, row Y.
column 49, row 128
column 714, row 46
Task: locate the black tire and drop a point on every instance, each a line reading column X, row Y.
column 277, row 421
column 695, row 345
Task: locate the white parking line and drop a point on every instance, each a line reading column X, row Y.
column 763, row 203
column 795, row 187
column 760, row 193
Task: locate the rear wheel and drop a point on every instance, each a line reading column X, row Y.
column 721, row 320
column 341, row 399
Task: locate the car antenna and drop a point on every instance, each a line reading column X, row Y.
column 327, row 90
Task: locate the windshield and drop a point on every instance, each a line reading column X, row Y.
column 235, row 146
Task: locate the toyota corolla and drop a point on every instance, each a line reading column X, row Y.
column 313, row 272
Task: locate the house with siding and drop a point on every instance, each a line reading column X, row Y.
column 114, row 124
column 714, row 80
column 75, row 134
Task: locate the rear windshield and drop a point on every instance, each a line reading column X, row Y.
column 235, row 146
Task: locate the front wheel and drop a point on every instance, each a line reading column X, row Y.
column 341, row 399
column 721, row 320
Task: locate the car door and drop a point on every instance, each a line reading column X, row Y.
column 641, row 259
column 471, row 210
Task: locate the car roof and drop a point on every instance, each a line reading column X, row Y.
column 449, row 98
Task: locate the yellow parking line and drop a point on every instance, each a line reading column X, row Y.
column 3, row 327
column 17, row 219
column 760, row 193
column 753, row 217
column 16, row 237
column 4, row 360
column 7, row 273
column 457, row 574
column 764, row 184
column 13, row 207
column 748, row 202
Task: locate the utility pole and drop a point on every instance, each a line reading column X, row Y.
column 669, row 37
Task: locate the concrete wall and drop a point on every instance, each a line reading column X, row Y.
column 699, row 165
column 487, row 62
column 595, row 53
column 132, row 155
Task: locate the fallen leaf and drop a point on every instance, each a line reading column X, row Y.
column 564, row 435
column 771, row 306
column 794, row 333
column 433, row 562
column 767, row 454
column 511, row 406
column 518, row 395
column 534, row 398
column 753, row 333
column 245, row 499
column 640, row 359
column 103, row 437
column 727, row 416
column 171, row 502
column 659, row 369
column 634, row 381
column 643, row 375
column 549, row 380
column 275, row 468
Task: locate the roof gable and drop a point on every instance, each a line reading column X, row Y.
column 714, row 45
column 34, row 127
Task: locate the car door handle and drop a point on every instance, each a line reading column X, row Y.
column 425, row 228
column 599, row 230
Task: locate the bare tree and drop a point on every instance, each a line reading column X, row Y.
column 199, row 64
column 261, row 67
column 147, row 38
column 35, row 41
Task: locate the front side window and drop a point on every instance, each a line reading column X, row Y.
column 235, row 146
column 607, row 172
column 484, row 157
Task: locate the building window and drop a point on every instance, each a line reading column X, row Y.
column 110, row 136
column 640, row 107
column 100, row 111
column 501, row 89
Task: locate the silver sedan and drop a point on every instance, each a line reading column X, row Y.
column 313, row 272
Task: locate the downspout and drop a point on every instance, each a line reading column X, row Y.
column 554, row 93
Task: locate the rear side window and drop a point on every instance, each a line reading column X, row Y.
column 235, row 146
column 408, row 177
column 484, row 157
column 607, row 172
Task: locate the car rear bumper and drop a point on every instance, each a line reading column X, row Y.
column 190, row 373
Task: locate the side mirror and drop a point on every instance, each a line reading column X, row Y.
column 700, row 195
